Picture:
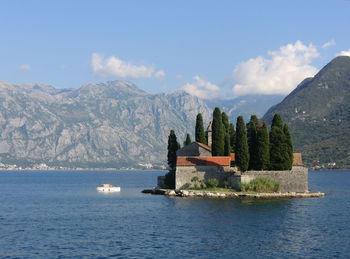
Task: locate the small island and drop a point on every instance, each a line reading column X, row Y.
column 246, row 161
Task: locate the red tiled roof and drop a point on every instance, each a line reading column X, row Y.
column 204, row 146
column 233, row 157
column 196, row 160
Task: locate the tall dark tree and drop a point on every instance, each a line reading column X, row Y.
column 252, row 128
column 227, row 146
column 278, row 151
column 199, row 132
column 188, row 140
column 242, row 151
column 226, row 128
column 173, row 146
column 225, row 121
column 278, row 155
column 232, row 133
column 277, row 121
column 206, row 138
column 218, row 134
column 289, row 146
column 252, row 141
column 263, row 148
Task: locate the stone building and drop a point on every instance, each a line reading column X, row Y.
column 194, row 149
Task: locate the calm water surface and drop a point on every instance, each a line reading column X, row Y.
column 60, row 215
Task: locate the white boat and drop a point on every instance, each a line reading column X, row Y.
column 108, row 188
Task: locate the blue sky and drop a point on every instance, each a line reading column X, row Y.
column 208, row 48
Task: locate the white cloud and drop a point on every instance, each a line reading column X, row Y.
column 160, row 74
column 202, row 89
column 116, row 67
column 278, row 74
column 25, row 67
column 328, row 44
column 344, row 53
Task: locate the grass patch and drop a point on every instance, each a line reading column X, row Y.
column 261, row 184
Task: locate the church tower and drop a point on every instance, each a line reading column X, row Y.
column 210, row 136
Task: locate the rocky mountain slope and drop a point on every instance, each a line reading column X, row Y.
column 318, row 113
column 112, row 124
column 245, row 105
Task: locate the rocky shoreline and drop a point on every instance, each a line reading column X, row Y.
column 236, row 195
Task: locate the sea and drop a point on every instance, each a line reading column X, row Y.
column 59, row 214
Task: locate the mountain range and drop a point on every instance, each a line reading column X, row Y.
column 112, row 124
column 115, row 124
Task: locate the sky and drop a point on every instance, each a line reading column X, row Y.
column 211, row 49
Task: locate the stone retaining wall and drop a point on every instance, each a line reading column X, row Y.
column 295, row 180
column 185, row 174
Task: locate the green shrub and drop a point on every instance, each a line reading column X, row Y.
column 212, row 183
column 195, row 180
column 225, row 184
column 261, row 184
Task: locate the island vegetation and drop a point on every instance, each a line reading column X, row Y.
column 254, row 146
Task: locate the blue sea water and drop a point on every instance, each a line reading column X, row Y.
column 59, row 214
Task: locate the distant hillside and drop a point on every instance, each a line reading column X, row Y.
column 318, row 113
column 245, row 105
column 112, row 124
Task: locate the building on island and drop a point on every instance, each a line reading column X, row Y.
column 195, row 163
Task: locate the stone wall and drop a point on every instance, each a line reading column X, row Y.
column 184, row 175
column 295, row 180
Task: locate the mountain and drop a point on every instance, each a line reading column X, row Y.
column 112, row 124
column 245, row 105
column 318, row 114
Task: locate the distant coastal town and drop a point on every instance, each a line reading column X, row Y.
column 45, row 167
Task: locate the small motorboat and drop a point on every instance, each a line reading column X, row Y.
column 108, row 188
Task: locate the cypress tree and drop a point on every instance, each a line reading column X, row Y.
column 232, row 133
column 226, row 128
column 218, row 134
column 277, row 121
column 199, row 132
column 278, row 148
column 252, row 141
column 242, row 152
column 289, row 146
column 225, row 121
column 227, row 147
column 263, row 148
column 188, row 140
column 173, row 146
